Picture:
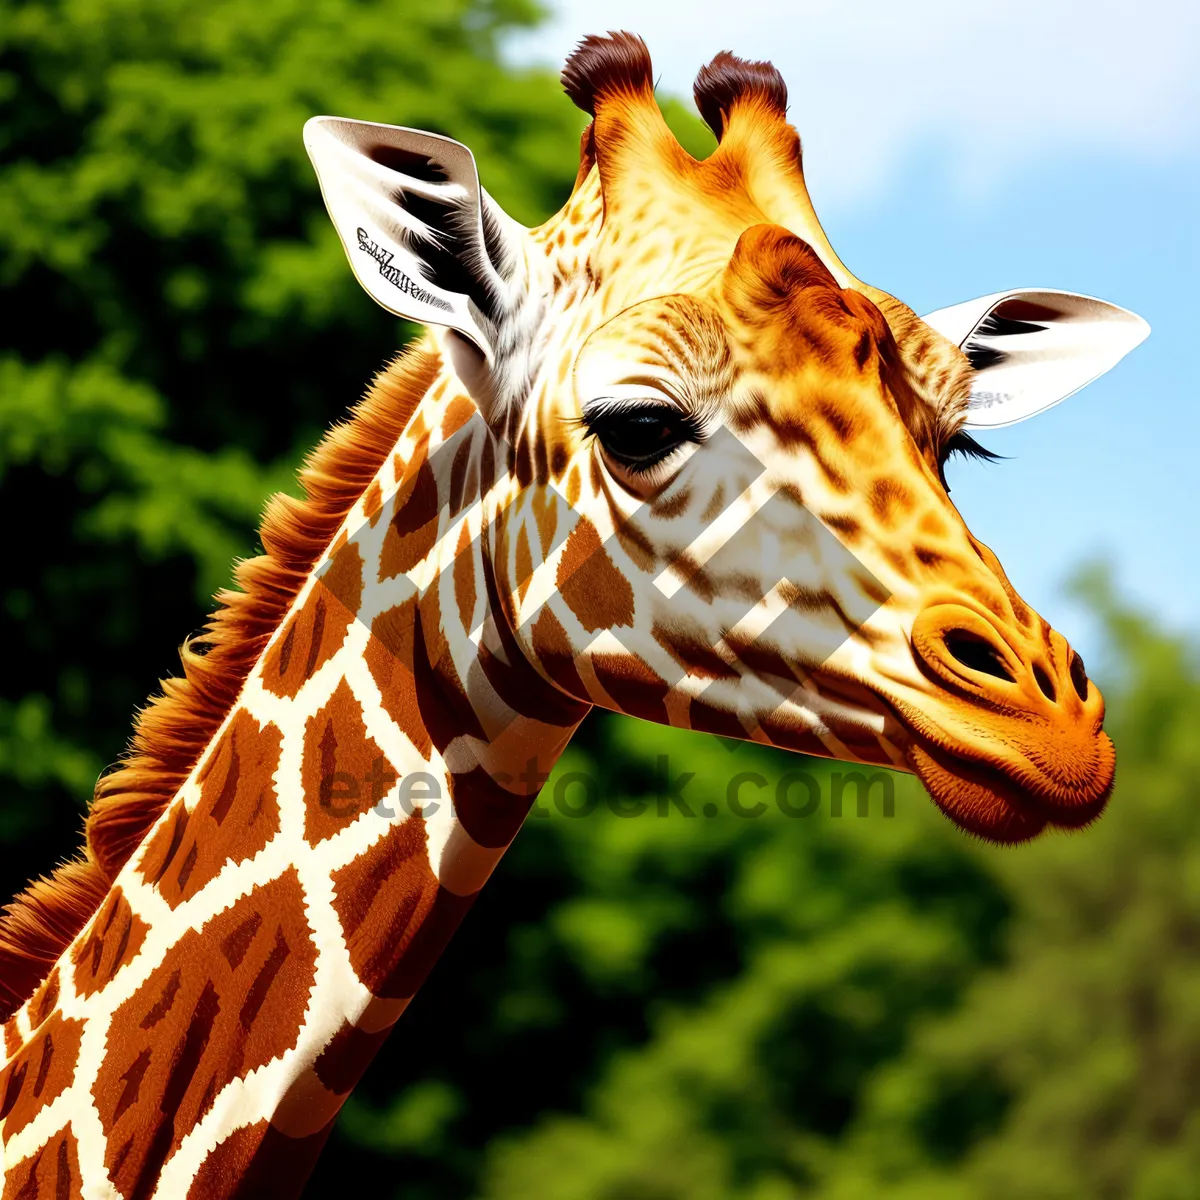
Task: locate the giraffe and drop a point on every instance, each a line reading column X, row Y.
column 663, row 454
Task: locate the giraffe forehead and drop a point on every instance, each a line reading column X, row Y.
column 690, row 289
column 770, row 359
column 683, row 261
column 671, row 235
column 676, row 332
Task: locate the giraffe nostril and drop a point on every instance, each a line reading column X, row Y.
column 1045, row 682
column 973, row 651
column 1079, row 676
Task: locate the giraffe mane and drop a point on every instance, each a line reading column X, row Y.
column 175, row 726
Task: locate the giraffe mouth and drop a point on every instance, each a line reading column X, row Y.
column 1001, row 777
column 989, row 787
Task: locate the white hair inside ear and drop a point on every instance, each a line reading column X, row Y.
column 430, row 245
column 1034, row 347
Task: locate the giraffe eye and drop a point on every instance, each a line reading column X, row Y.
column 639, row 436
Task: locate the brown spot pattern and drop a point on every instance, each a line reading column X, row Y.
column 524, row 564
column 574, row 486
column 464, row 580
column 544, row 503
column 114, row 939
column 225, row 1000
column 40, row 1071
column 709, row 718
column 373, row 502
column 463, row 479
column 52, row 1171
column 344, row 773
column 236, row 816
column 886, row 494
column 258, row 1161
column 715, row 506
column 446, row 712
column 341, row 1064
column 227, row 1163
column 458, row 412
column 42, row 1002
column 306, row 1106
column 413, row 530
column 634, row 687
column 596, row 592
column 316, row 633
column 390, row 660
column 692, row 650
column 382, row 898
column 843, row 524
column 517, row 682
column 486, row 809
column 556, row 654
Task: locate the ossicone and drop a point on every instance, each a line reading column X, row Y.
column 727, row 80
column 602, row 66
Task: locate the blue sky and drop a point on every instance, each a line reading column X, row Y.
column 955, row 150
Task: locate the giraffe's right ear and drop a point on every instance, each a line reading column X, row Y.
column 1033, row 347
column 423, row 238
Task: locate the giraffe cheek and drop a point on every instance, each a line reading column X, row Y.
column 592, row 587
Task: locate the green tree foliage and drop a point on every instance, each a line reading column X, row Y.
column 682, row 1003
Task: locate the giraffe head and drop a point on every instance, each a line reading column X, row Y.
column 726, row 506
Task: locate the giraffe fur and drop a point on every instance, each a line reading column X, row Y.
column 308, row 814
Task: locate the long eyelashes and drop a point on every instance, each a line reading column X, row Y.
column 638, row 435
column 963, row 444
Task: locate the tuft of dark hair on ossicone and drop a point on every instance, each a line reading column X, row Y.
column 602, row 65
column 727, row 79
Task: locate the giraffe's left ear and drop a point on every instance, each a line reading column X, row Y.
column 1032, row 348
column 423, row 238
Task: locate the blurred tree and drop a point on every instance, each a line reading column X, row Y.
column 772, row 964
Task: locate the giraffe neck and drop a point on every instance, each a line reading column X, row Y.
column 201, row 1033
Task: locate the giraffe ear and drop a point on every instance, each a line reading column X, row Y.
column 423, row 238
column 1032, row 348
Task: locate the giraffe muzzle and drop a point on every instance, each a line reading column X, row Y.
column 1010, row 738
